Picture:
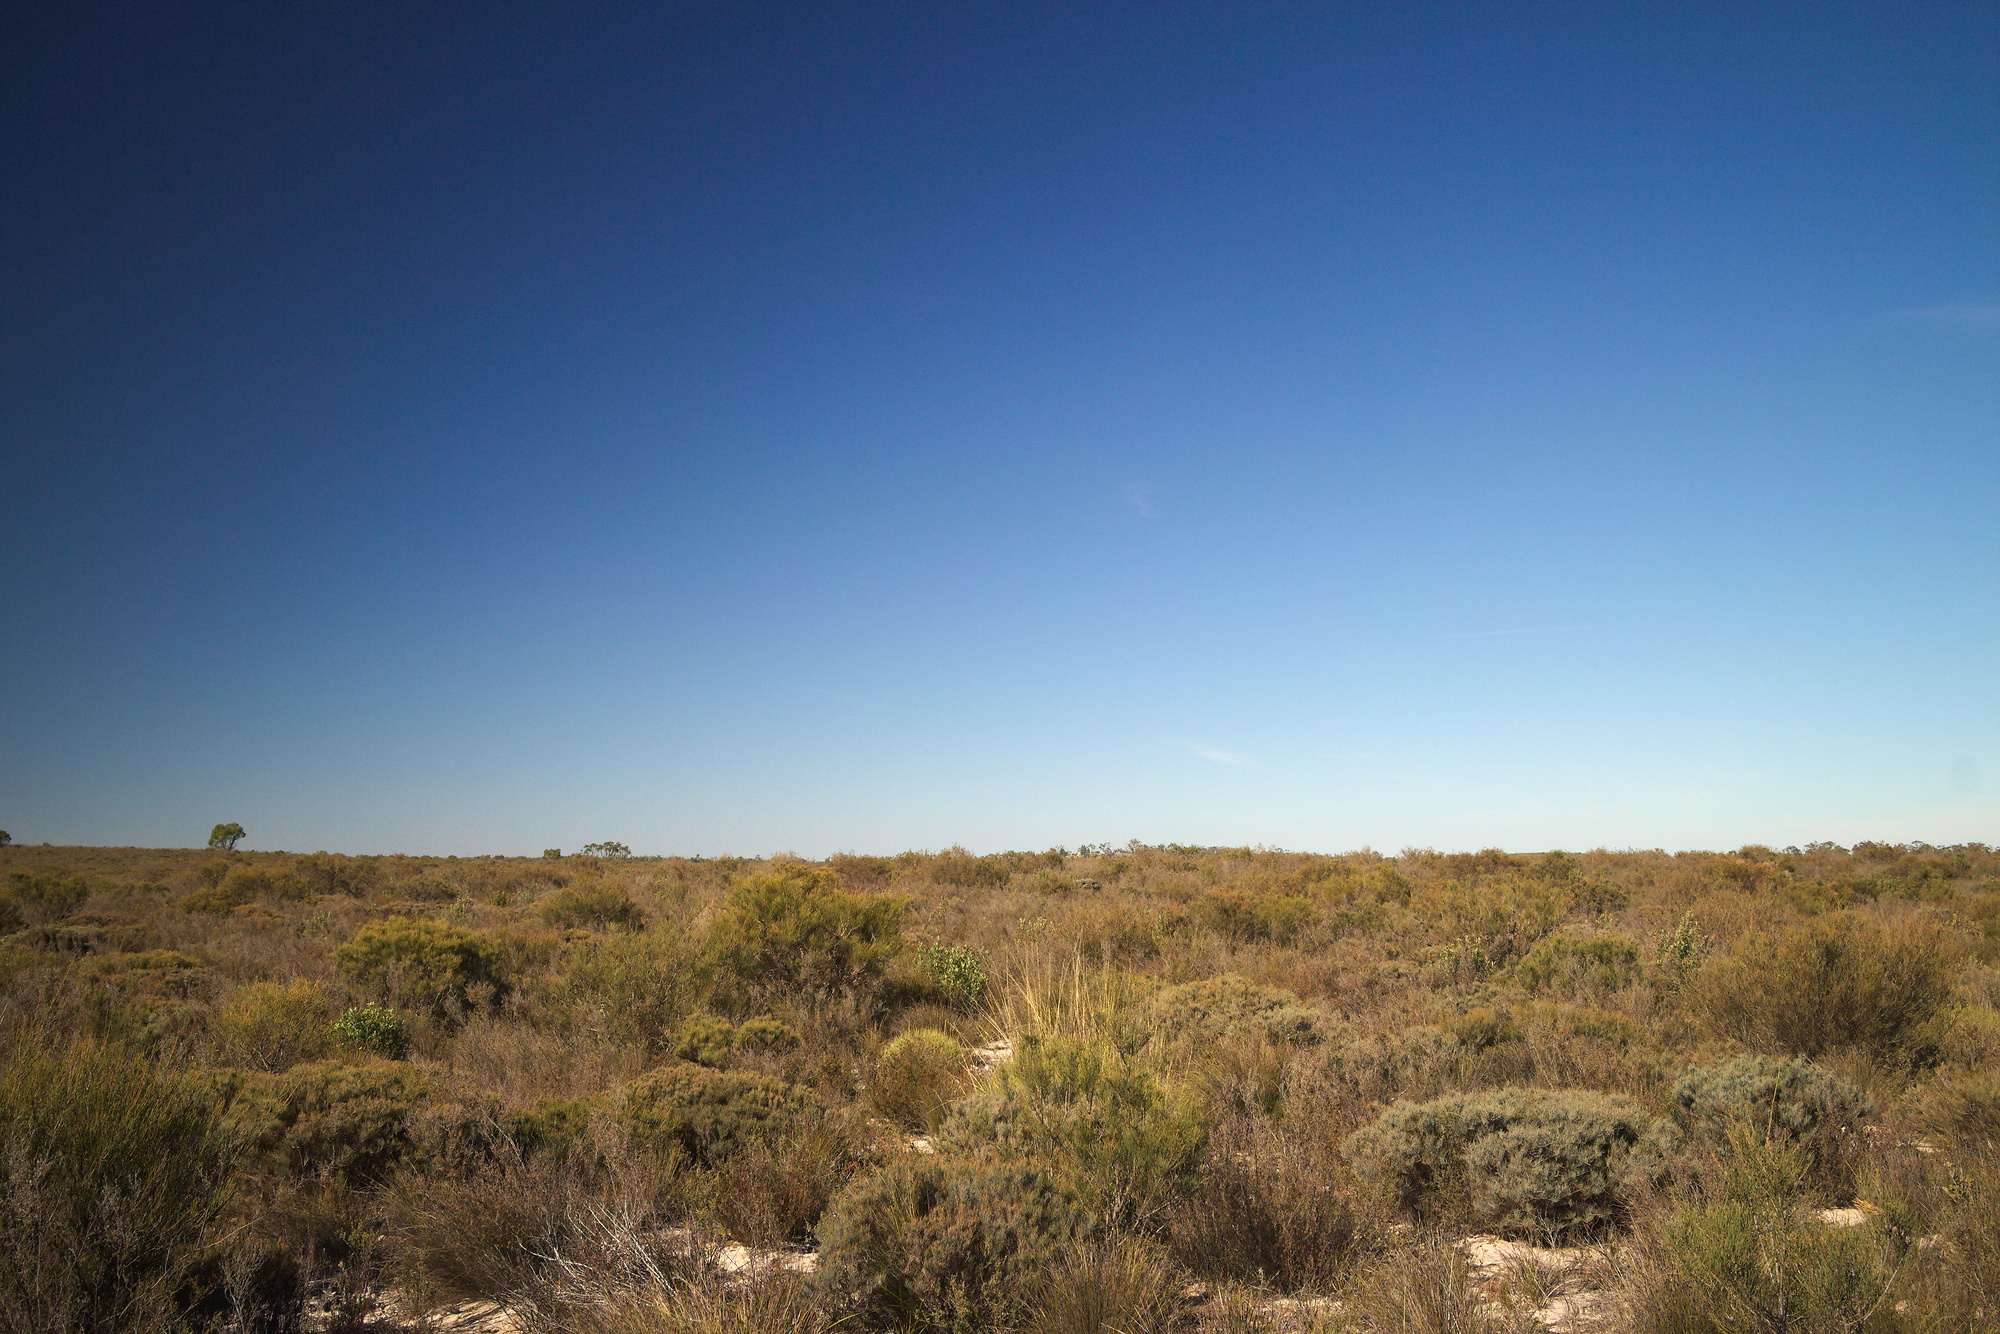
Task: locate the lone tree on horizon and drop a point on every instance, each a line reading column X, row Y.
column 223, row 837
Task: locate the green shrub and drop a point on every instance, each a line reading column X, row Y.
column 591, row 901
column 634, row 986
column 275, row 1025
column 1481, row 1027
column 1231, row 1006
column 357, row 1122
column 1791, row 1100
column 239, row 885
column 375, row 1030
column 705, row 1040
column 762, row 1033
column 1965, row 1107
column 793, row 931
column 916, row 1076
column 948, row 1243
column 1128, row 1141
column 1245, row 916
column 422, row 962
column 332, row 873
column 1522, row 1159
column 1567, row 965
column 1843, row 981
column 959, row 971
column 1750, row 1255
column 555, row 1127
column 49, row 897
column 710, row 1114
column 112, row 1172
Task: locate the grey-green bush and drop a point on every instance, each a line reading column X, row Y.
column 948, row 1243
column 1793, row 1100
column 1519, row 1159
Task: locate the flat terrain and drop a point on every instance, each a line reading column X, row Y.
column 1144, row 1088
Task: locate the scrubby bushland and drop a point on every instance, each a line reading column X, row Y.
column 591, row 901
column 1196, row 1034
column 356, row 1122
column 113, row 1173
column 709, row 1114
column 1523, row 1159
column 1567, row 965
column 948, row 1243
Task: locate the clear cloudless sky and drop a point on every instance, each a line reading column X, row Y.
column 745, row 427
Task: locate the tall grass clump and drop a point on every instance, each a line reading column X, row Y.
column 113, row 1171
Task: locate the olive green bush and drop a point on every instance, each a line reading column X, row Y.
column 1569, row 965
column 948, row 1243
column 1227, row 1006
column 113, row 1172
column 373, row 1030
column 422, row 962
column 592, row 901
column 1841, row 982
column 1750, row 1255
column 633, row 986
column 357, row 1122
column 794, row 931
column 276, row 1025
column 39, row 897
column 705, row 1040
column 915, row 1077
column 959, row 971
column 1126, row 1139
column 1519, row 1159
column 709, row 1114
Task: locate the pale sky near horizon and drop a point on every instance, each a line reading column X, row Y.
column 723, row 428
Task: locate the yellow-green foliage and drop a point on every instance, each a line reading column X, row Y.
column 705, row 1040
column 276, row 1025
column 44, row 897
column 709, row 1114
column 1128, row 1139
column 916, row 1076
column 112, row 1172
column 633, row 986
column 422, row 962
column 794, row 931
column 1750, row 1255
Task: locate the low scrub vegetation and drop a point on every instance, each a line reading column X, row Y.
column 1131, row 1089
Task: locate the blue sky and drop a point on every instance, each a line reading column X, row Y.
column 737, row 428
